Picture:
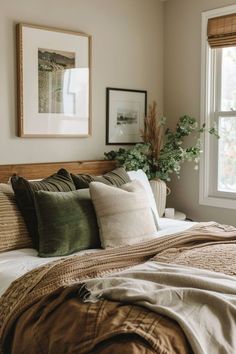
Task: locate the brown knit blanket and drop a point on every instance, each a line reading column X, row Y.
column 72, row 270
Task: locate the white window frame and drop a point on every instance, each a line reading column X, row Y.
column 207, row 193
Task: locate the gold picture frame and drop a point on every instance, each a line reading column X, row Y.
column 53, row 82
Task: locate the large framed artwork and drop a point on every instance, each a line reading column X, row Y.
column 125, row 113
column 53, row 82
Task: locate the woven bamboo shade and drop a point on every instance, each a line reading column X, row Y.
column 221, row 31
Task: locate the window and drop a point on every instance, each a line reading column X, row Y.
column 218, row 107
column 225, row 117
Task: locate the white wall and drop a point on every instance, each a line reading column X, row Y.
column 127, row 52
column 182, row 64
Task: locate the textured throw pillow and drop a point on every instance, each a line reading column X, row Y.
column 13, row 230
column 66, row 222
column 124, row 214
column 141, row 176
column 24, row 192
column 117, row 177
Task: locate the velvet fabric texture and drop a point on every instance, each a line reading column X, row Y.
column 66, row 222
column 117, row 177
column 24, row 193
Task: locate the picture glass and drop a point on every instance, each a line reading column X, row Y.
column 55, row 81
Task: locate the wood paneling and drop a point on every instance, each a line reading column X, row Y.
column 41, row 170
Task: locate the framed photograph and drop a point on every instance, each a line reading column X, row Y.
column 125, row 113
column 53, row 82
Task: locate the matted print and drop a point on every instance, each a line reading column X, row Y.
column 125, row 112
column 53, row 82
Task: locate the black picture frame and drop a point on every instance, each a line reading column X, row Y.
column 125, row 113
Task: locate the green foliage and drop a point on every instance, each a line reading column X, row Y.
column 134, row 158
column 172, row 154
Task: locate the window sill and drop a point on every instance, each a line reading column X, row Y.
column 218, row 202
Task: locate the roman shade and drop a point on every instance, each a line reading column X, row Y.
column 221, row 31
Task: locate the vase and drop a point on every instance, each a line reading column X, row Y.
column 160, row 191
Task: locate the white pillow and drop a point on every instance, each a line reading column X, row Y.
column 124, row 214
column 141, row 176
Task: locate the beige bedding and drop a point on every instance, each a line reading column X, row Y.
column 30, row 291
column 202, row 302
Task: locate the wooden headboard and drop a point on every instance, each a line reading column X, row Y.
column 41, row 170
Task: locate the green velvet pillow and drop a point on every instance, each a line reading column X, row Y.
column 117, row 177
column 24, row 193
column 66, row 222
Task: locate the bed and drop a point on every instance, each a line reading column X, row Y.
column 172, row 293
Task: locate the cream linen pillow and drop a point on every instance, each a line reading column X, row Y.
column 13, row 231
column 124, row 214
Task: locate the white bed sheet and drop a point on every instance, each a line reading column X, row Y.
column 14, row 264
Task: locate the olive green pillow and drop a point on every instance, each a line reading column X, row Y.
column 66, row 222
column 24, row 193
column 117, row 177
